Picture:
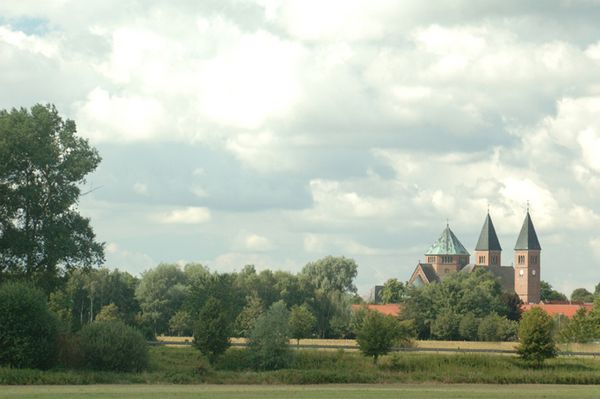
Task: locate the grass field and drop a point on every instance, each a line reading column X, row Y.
column 185, row 365
column 425, row 391
column 587, row 348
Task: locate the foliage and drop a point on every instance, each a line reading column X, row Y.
column 379, row 333
column 579, row 329
column 268, row 343
column 86, row 291
column 536, row 341
column 108, row 312
column 244, row 322
column 332, row 274
column 302, row 322
column 393, row 291
column 222, row 287
column 468, row 327
column 512, row 304
column 597, row 289
column 42, row 165
column 445, row 326
column 212, row 330
column 582, row 295
column 28, row 330
column 113, row 346
column 478, row 293
column 181, row 323
column 548, row 294
column 497, row 328
column 161, row 293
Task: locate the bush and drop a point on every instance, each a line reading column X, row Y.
column 113, row 346
column 270, row 338
column 108, row 312
column 302, row 322
column 445, row 326
column 497, row 328
column 536, row 336
column 468, row 327
column 28, row 330
column 379, row 333
column 212, row 331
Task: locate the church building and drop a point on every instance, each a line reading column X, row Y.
column 447, row 255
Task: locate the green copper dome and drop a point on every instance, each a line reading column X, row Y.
column 447, row 244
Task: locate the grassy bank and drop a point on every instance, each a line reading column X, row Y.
column 423, row 391
column 187, row 366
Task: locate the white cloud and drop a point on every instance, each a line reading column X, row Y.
column 190, row 215
column 106, row 117
column 140, row 188
column 34, row 44
column 131, row 261
column 390, row 118
column 255, row 242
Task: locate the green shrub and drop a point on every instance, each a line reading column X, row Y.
column 269, row 339
column 468, row 327
column 212, row 330
column 28, row 330
column 497, row 328
column 536, row 336
column 113, row 346
column 445, row 326
column 379, row 333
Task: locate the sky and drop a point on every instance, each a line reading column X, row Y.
column 275, row 133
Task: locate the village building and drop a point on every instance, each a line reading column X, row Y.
column 447, row 256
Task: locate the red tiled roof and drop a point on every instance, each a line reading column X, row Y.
column 566, row 309
column 392, row 309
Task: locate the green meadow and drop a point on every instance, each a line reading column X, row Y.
column 425, row 391
column 187, row 366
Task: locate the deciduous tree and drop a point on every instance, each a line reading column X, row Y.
column 536, row 336
column 42, row 165
column 212, row 330
column 302, row 322
column 379, row 333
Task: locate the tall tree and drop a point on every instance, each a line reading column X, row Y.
column 302, row 322
column 332, row 274
column 548, row 294
column 478, row 293
column 212, row 330
column 393, row 291
column 42, row 165
column 161, row 293
column 582, row 295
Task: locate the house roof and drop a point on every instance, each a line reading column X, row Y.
column 447, row 244
column 429, row 272
column 566, row 309
column 488, row 239
column 527, row 237
column 391, row 309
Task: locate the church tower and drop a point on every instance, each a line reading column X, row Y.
column 488, row 251
column 447, row 254
column 527, row 263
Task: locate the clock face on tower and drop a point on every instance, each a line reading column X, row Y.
column 521, row 272
column 533, row 272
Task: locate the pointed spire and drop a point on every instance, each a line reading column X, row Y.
column 447, row 244
column 488, row 239
column 527, row 237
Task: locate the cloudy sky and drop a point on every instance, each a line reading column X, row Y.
column 277, row 132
